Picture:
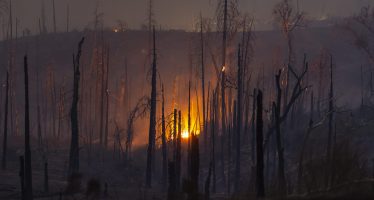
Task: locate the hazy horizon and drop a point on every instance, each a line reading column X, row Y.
column 183, row 12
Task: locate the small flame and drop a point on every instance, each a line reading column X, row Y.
column 223, row 68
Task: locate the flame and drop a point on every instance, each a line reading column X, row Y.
column 223, row 68
column 185, row 134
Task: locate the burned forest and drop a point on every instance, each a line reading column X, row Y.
column 187, row 100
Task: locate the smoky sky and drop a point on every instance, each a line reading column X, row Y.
column 170, row 14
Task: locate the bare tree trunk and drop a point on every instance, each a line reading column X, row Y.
column 281, row 176
column 107, row 102
column 163, row 137
column 74, row 145
column 152, row 118
column 203, row 79
column 28, row 170
column 239, row 122
column 54, row 16
column 213, row 135
column 301, row 158
column 195, row 167
column 331, row 118
column 67, row 18
column 223, row 85
column 22, row 176
column 179, row 152
column 260, row 184
column 5, row 141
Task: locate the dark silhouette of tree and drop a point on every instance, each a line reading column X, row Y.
column 238, row 121
column 28, row 170
column 163, row 138
column 74, row 145
column 195, row 167
column 22, row 176
column 260, row 184
column 152, row 117
column 5, row 140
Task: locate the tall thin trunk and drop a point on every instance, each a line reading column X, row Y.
column 281, row 175
column 179, row 152
column 223, row 86
column 54, row 17
column 102, row 98
column 239, row 122
column 213, row 135
column 28, row 170
column 107, row 102
column 331, row 118
column 260, row 183
column 74, row 145
column 22, row 176
column 203, row 79
column 152, row 117
column 67, row 17
column 5, row 141
column 163, row 137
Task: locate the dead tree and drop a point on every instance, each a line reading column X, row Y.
column 22, row 176
column 195, row 167
column 138, row 111
column 54, row 16
column 297, row 91
column 223, row 85
column 5, row 141
column 238, row 121
column 107, row 102
column 152, row 117
column 163, row 138
column 260, row 183
column 28, row 170
column 288, row 21
column 277, row 106
column 178, row 158
column 74, row 145
column 330, row 129
column 203, row 78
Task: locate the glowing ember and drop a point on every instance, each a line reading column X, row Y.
column 223, row 68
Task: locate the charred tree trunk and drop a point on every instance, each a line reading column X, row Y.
column 281, row 175
column 223, row 87
column 28, row 170
column 203, row 80
column 5, row 141
column 301, row 158
column 239, row 122
column 22, row 176
column 74, row 145
column 54, row 16
column 195, row 166
column 213, row 129
column 163, row 137
column 107, row 102
column 178, row 158
column 331, row 118
column 260, row 184
column 152, row 117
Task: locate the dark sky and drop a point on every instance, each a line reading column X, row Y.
column 176, row 14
